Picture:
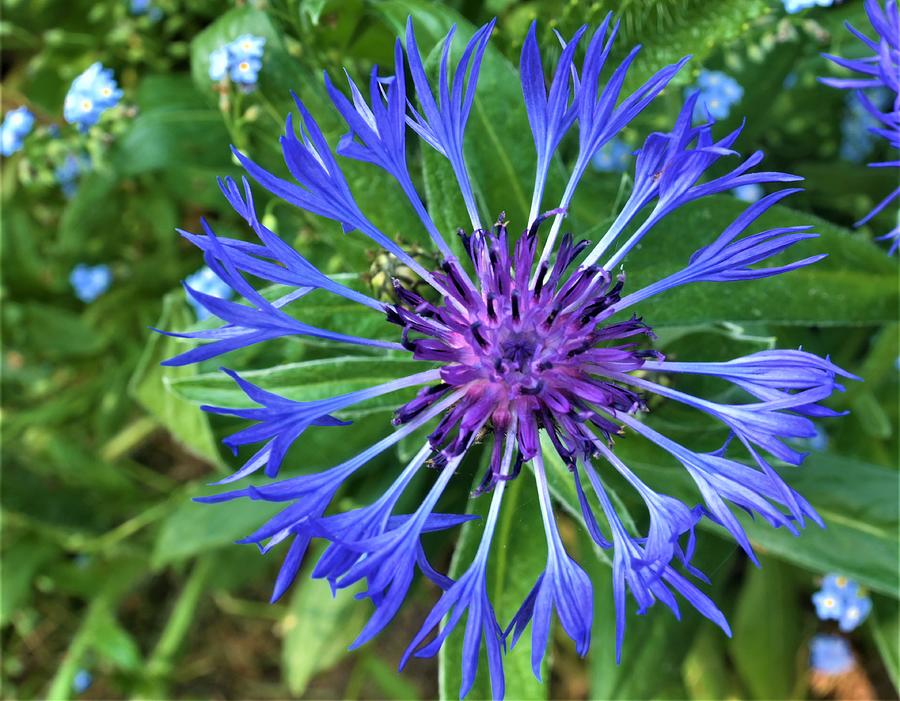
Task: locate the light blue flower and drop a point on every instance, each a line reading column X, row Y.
column 830, row 654
column 245, row 71
column 795, row 6
column 718, row 92
column 614, row 157
column 90, row 281
column 82, row 681
column 206, row 282
column 68, row 172
column 841, row 600
column 218, row 63
column 749, row 193
column 856, row 609
column 16, row 126
column 247, row 46
column 91, row 94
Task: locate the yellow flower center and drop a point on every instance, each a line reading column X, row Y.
column 86, row 105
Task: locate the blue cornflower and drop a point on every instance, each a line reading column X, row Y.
column 90, row 281
column 68, row 172
column 718, row 93
column 205, row 282
column 879, row 71
column 91, row 94
column 240, row 60
column 17, row 124
column 523, row 349
column 614, row 157
column 749, row 193
column 795, row 6
column 82, row 681
column 830, row 654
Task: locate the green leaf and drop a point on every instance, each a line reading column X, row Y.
column 21, row 562
column 149, row 384
column 853, row 286
column 884, row 625
column 306, row 381
column 516, row 562
column 318, row 629
column 768, row 633
column 175, row 126
column 193, row 528
column 113, row 643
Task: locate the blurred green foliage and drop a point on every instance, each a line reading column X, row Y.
column 109, row 568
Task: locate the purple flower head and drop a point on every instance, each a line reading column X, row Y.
column 530, row 345
column 876, row 73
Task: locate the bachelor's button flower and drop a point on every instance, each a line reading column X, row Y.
column 878, row 71
column 794, row 6
column 205, row 282
column 718, row 93
column 830, row 654
column 90, row 281
column 749, row 193
column 17, row 124
column 90, row 95
column 532, row 351
column 614, row 157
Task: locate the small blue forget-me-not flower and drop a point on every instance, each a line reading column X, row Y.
column 614, row 157
column 17, row 124
column 91, row 94
column 830, row 654
column 90, row 281
column 718, row 93
column 795, row 6
column 240, row 60
column 841, row 600
column 206, row 282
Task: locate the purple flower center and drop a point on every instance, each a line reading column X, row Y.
column 529, row 353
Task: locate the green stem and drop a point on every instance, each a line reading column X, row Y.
column 162, row 660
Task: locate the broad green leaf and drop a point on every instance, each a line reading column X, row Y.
column 518, row 557
column 113, row 643
column 855, row 285
column 706, row 670
column 175, row 126
column 148, row 385
column 305, row 381
column 884, row 625
column 318, row 628
column 768, row 633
